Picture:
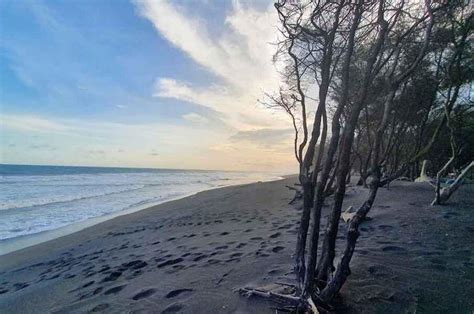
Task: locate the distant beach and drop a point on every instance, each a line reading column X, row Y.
column 190, row 255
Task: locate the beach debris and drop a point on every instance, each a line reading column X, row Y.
column 348, row 214
column 283, row 294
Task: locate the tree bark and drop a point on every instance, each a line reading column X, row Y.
column 325, row 265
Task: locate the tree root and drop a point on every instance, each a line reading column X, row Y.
column 284, row 295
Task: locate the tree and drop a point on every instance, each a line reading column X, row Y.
column 363, row 56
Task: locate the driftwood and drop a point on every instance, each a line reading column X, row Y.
column 283, row 294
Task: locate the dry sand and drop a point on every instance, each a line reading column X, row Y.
column 189, row 255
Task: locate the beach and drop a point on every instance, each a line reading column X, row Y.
column 191, row 255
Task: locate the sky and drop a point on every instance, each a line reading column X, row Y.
column 164, row 84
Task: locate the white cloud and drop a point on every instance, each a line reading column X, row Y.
column 212, row 97
column 241, row 56
column 240, row 53
column 266, row 138
column 32, row 123
column 195, row 118
column 92, row 142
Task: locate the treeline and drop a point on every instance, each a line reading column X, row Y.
column 373, row 87
column 432, row 108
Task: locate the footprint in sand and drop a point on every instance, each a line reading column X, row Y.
column 379, row 270
column 20, row 285
column 87, row 284
column 273, row 271
column 199, row 257
column 112, row 276
column 91, row 293
column 104, row 268
column 393, row 248
column 385, row 227
column 114, row 290
column 100, row 307
column 143, row 294
column 275, row 235
column 260, row 254
column 170, row 262
column 173, row 308
column 287, row 226
column 137, row 264
column 277, row 249
column 449, row 215
column 213, row 261
column 175, row 293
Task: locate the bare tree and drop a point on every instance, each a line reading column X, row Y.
column 362, row 55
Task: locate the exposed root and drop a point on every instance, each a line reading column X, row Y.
column 284, row 295
column 284, row 299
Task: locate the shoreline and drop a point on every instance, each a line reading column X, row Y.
column 11, row 245
column 189, row 256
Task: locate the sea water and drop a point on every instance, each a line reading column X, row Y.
column 35, row 199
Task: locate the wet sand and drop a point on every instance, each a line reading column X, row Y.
column 191, row 254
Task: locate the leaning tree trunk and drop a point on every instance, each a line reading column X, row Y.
column 342, row 272
column 325, row 263
column 423, row 176
column 446, row 192
column 438, row 179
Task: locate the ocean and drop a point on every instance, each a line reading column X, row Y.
column 36, row 199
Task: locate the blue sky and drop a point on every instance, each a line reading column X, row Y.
column 140, row 83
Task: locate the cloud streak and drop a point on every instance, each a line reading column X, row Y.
column 240, row 56
column 267, row 138
column 32, row 123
